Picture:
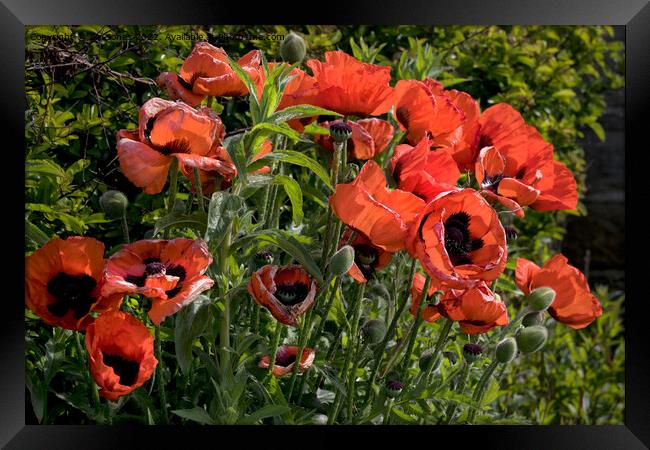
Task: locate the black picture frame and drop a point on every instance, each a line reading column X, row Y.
column 633, row 14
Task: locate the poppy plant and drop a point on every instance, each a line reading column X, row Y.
column 515, row 165
column 574, row 304
column 367, row 206
column 459, row 240
column 287, row 292
column 169, row 272
column 64, row 279
column 422, row 171
column 120, row 350
column 285, row 359
column 367, row 258
column 429, row 312
column 369, row 137
column 172, row 130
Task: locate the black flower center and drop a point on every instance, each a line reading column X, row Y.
column 124, row 368
column 72, row 292
column 458, row 242
column 175, row 146
column 474, row 349
column 153, row 266
column 284, row 359
column 403, row 116
column 291, row 294
column 394, row 385
column 365, row 257
column 491, row 183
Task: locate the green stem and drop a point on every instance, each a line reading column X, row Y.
column 125, row 227
column 460, row 388
column 161, row 382
column 173, row 189
column 94, row 394
column 199, row 189
column 274, row 348
column 359, row 349
column 339, row 148
column 440, row 343
column 480, row 390
column 389, row 406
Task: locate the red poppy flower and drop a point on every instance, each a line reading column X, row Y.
column 574, row 304
column 422, row 112
column 369, row 137
column 367, row 206
column 349, row 86
column 170, row 273
column 477, row 309
column 171, row 130
column 368, row 258
column 516, row 166
column 120, row 350
column 459, row 240
column 287, row 292
column 63, row 281
column 285, row 358
column 423, row 171
column 177, row 89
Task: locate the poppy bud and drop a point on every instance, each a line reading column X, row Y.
column 319, row 419
column 293, row 48
column 472, row 352
column 373, row 331
column 340, row 131
column 506, row 350
column 393, row 388
column 531, row 339
column 533, row 318
column 263, row 258
column 426, row 360
column 113, row 203
column 341, row 261
column 540, row 299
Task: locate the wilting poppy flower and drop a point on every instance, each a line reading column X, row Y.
column 287, row 292
column 285, row 358
column 349, row 86
column 422, row 171
column 459, row 240
column 170, row 273
column 367, row 258
column 574, row 304
column 64, row 279
column 120, row 350
column 369, row 137
column 421, row 112
column 172, row 130
column 516, row 167
column 206, row 71
column 367, row 206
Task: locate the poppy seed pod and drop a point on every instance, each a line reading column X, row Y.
column 472, row 352
column 540, row 299
column 426, row 360
column 506, row 350
column 531, row 339
column 373, row 331
column 533, row 318
column 341, row 261
column 113, row 203
column 393, row 388
column 293, row 48
column 340, row 131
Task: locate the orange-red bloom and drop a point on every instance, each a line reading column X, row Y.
column 366, row 205
column 574, row 304
column 287, row 292
column 516, row 167
column 285, row 358
column 349, row 86
column 170, row 273
column 120, row 350
column 423, row 171
column 369, row 137
column 63, row 281
column 477, row 309
column 368, row 258
column 459, row 240
column 172, row 130
column 206, row 71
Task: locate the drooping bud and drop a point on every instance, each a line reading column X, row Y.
column 506, row 350
column 293, row 48
column 373, row 331
column 393, row 388
column 340, row 131
column 113, row 203
column 472, row 352
column 540, row 299
column 341, row 261
column 531, row 339
column 533, row 318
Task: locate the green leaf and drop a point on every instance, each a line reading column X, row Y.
column 299, row 159
column 598, row 129
column 196, row 414
column 256, row 136
column 300, row 111
column 263, row 413
column 195, row 221
column 190, row 323
column 33, row 233
column 292, row 188
column 223, row 208
column 234, row 147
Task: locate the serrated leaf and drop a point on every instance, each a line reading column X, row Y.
column 196, row 414
column 299, row 112
column 263, row 413
column 190, row 323
column 196, row 221
column 292, row 188
column 299, row 159
column 223, row 208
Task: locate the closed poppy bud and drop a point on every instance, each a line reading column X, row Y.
column 540, row 299
column 373, row 331
column 472, row 352
column 113, row 203
column 426, row 360
column 293, row 48
column 393, row 388
column 506, row 350
column 533, row 318
column 319, row 419
column 340, row 131
column 532, row 339
column 342, row 260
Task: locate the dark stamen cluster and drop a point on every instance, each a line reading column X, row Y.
column 458, row 241
column 284, row 359
column 126, row 369
column 474, row 349
column 72, row 292
column 291, row 294
column 365, row 257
